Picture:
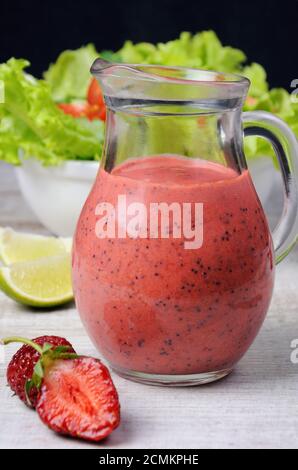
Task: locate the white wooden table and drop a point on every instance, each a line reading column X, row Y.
column 256, row 406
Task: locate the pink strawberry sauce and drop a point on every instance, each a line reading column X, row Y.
column 152, row 306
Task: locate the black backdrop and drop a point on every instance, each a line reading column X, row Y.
column 38, row 30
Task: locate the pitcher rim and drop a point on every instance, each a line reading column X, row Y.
column 102, row 66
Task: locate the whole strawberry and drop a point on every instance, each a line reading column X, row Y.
column 21, row 366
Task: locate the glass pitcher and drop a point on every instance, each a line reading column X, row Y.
column 173, row 261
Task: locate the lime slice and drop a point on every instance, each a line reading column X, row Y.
column 45, row 282
column 18, row 247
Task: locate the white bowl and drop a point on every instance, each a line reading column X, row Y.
column 57, row 194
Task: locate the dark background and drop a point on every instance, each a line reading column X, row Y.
column 265, row 30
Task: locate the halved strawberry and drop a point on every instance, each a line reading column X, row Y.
column 78, row 398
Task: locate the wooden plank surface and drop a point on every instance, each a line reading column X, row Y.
column 256, row 406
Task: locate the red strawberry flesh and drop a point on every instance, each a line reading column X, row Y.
column 20, row 368
column 78, row 398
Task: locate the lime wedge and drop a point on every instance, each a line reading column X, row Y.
column 19, row 247
column 44, row 282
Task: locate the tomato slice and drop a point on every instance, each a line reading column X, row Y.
column 94, row 94
column 95, row 98
column 93, row 108
column 251, row 101
column 86, row 110
column 95, row 112
column 103, row 113
column 74, row 109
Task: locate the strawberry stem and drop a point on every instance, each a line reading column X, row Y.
column 19, row 339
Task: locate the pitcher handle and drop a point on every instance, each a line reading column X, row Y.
column 284, row 143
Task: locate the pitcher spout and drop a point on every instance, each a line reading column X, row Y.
column 99, row 65
column 102, row 67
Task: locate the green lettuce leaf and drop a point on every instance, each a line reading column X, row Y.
column 31, row 121
column 202, row 50
column 69, row 76
column 257, row 76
